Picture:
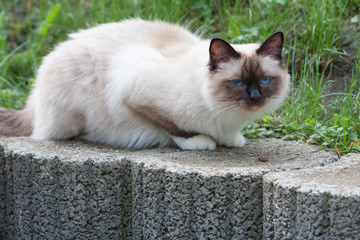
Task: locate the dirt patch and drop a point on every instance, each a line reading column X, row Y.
column 339, row 75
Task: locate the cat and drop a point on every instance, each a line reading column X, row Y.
column 138, row 84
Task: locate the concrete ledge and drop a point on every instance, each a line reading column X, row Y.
column 318, row 203
column 68, row 190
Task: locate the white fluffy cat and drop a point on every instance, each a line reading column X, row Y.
column 138, row 84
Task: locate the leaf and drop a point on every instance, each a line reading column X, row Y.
column 353, row 136
column 266, row 118
column 263, row 159
column 281, row 2
column 355, row 19
column 45, row 26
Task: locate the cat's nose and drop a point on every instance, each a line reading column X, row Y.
column 255, row 95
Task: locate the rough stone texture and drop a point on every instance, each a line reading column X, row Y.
column 76, row 190
column 318, row 203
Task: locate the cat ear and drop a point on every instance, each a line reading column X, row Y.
column 220, row 52
column 272, row 46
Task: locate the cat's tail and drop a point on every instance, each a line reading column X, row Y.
column 15, row 123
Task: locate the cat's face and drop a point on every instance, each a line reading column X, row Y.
column 250, row 76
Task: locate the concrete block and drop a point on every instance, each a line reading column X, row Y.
column 317, row 203
column 77, row 190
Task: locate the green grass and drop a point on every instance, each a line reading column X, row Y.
column 321, row 46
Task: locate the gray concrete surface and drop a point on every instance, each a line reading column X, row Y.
column 76, row 190
column 317, row 203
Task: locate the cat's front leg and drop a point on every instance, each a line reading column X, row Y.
column 198, row 142
column 237, row 140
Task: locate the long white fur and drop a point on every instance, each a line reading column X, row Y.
column 87, row 83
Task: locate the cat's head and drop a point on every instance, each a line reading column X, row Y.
column 251, row 76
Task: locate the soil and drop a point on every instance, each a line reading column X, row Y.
column 342, row 68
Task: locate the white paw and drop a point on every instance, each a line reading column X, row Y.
column 199, row 142
column 238, row 141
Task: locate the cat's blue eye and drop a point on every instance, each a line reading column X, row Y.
column 237, row 83
column 266, row 80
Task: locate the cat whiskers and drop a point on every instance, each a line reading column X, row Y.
column 204, row 110
column 230, row 108
column 205, row 113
